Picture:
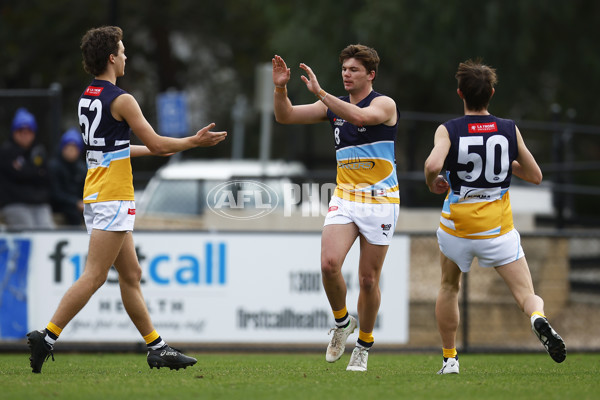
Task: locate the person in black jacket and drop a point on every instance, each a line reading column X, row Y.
column 25, row 193
column 67, row 176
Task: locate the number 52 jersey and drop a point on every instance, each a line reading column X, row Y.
column 478, row 168
column 109, row 175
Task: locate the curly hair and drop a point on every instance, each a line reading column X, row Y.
column 367, row 56
column 476, row 81
column 97, row 45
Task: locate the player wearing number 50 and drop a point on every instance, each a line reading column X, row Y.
column 107, row 114
column 480, row 153
column 366, row 200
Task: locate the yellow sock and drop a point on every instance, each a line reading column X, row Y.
column 341, row 313
column 366, row 338
column 537, row 313
column 151, row 337
column 449, row 353
column 54, row 329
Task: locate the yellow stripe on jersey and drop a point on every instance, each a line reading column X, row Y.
column 478, row 220
column 108, row 183
column 357, row 180
column 366, row 171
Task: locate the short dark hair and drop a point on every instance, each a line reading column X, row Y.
column 476, row 82
column 97, row 45
column 366, row 55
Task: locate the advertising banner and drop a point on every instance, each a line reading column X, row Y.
column 207, row 287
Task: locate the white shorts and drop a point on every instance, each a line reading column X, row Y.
column 376, row 222
column 115, row 216
column 493, row 252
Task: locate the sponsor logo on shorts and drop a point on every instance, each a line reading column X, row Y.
column 386, row 227
column 332, row 208
column 131, row 211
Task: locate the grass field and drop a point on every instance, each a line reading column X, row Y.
column 302, row 376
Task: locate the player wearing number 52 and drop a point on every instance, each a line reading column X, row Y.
column 107, row 114
column 480, row 153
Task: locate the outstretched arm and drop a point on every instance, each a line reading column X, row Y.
column 125, row 107
column 435, row 162
column 136, row 150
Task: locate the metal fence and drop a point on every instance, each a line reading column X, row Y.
column 567, row 152
column 566, row 273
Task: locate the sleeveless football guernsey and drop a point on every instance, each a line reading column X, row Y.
column 109, row 175
column 365, row 155
column 479, row 171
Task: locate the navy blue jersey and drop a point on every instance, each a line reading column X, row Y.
column 106, row 141
column 366, row 163
column 482, row 150
column 478, row 168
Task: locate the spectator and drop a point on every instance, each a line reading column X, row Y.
column 67, row 176
column 24, row 197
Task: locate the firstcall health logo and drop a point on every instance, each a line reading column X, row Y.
column 242, row 199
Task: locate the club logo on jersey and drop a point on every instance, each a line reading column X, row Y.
column 483, row 127
column 357, row 165
column 338, row 121
column 93, row 91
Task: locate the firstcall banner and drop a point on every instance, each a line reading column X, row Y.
column 199, row 287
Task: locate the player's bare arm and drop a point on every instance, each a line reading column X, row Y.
column 285, row 112
column 125, row 107
column 382, row 109
column 525, row 166
column 435, row 162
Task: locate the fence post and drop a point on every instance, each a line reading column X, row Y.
column 558, row 160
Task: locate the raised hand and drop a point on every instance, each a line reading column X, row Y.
column 310, row 80
column 281, row 73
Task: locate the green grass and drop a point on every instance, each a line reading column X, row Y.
column 302, row 376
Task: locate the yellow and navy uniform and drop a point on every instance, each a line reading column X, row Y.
column 366, row 162
column 109, row 175
column 478, row 168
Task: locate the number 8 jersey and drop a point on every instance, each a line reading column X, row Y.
column 109, row 175
column 478, row 168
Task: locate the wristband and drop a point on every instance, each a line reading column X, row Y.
column 322, row 94
column 281, row 89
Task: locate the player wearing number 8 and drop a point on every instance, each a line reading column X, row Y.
column 107, row 115
column 366, row 201
column 480, row 153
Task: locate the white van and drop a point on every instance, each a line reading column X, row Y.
column 222, row 194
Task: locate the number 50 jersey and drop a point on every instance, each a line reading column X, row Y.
column 478, row 168
column 109, row 175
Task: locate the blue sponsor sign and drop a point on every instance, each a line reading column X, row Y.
column 14, row 259
column 172, row 114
